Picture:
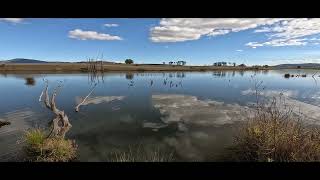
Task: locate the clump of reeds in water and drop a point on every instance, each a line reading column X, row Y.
column 95, row 70
column 40, row 148
column 4, row 123
column 30, row 81
column 139, row 153
column 275, row 133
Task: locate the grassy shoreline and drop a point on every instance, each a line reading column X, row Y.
column 81, row 67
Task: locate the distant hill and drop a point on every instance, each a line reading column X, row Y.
column 303, row 65
column 22, row 60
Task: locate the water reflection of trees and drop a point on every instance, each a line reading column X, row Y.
column 171, row 79
column 219, row 73
column 129, row 76
column 4, row 74
column 224, row 73
column 233, row 73
column 164, row 74
column 177, row 75
column 181, row 75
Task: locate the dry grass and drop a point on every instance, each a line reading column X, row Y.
column 82, row 67
column 40, row 148
column 275, row 133
column 138, row 154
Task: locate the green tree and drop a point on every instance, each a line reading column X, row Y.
column 128, row 61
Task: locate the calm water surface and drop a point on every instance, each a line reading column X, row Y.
column 193, row 113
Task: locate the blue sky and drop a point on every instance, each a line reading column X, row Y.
column 197, row 41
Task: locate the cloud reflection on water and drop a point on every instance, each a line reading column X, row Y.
column 288, row 98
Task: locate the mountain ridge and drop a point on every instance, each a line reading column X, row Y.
column 23, row 60
column 301, row 65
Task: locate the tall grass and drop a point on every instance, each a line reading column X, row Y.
column 276, row 133
column 40, row 148
column 35, row 138
column 138, row 153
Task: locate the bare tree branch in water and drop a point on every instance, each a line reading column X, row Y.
column 315, row 78
column 40, row 98
column 78, row 106
column 60, row 124
column 314, row 74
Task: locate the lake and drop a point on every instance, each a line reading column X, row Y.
column 194, row 114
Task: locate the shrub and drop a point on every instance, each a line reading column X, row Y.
column 286, row 75
column 40, row 148
column 276, row 135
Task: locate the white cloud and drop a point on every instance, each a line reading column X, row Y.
column 280, row 31
column 264, row 29
column 184, row 29
column 218, row 32
column 239, row 50
column 297, row 28
column 111, row 25
column 91, row 35
column 279, row 42
column 290, row 32
column 12, row 20
column 254, row 44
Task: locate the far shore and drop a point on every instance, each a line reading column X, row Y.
column 82, row 67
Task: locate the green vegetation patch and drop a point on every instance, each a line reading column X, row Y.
column 40, row 148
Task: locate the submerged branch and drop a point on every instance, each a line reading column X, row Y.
column 78, row 106
column 40, row 98
column 46, row 96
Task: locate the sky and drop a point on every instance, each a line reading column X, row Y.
column 198, row 41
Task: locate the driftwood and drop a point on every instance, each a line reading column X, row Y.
column 60, row 124
column 78, row 106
